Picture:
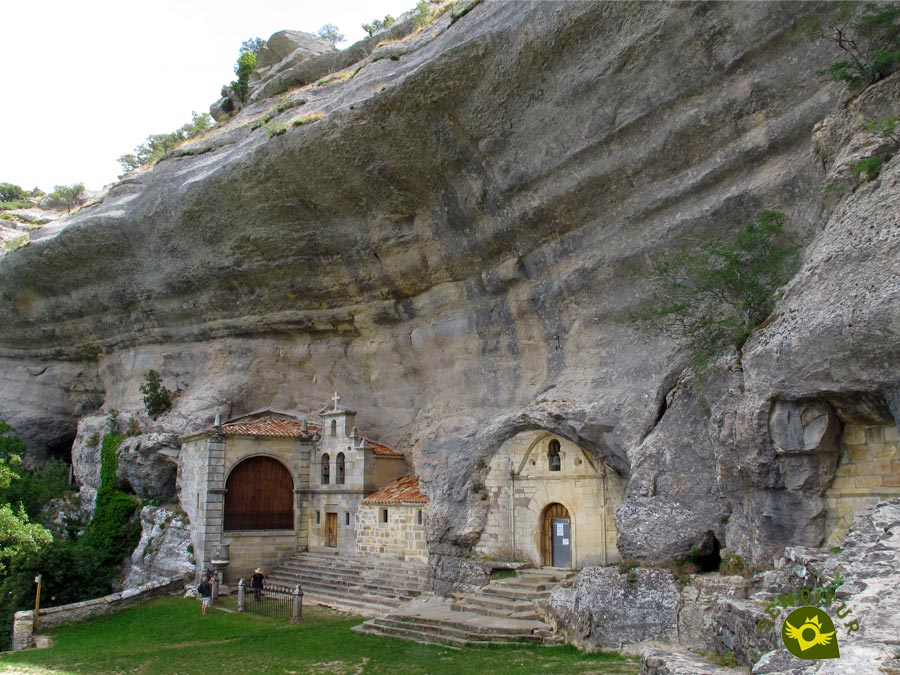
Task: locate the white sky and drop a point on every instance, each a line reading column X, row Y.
column 89, row 80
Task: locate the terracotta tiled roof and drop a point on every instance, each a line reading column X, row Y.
column 381, row 449
column 404, row 490
column 267, row 426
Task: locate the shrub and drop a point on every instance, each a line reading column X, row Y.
column 157, row 145
column 113, row 531
column 15, row 243
column 71, row 195
column 244, row 67
column 11, row 193
column 868, row 168
column 157, row 399
column 713, row 293
column 134, row 427
column 869, row 40
column 308, row 119
column 331, row 33
column 275, row 129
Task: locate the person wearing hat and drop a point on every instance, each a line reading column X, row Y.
column 257, row 583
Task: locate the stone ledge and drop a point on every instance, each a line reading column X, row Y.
column 677, row 662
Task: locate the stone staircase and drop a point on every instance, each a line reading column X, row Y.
column 502, row 612
column 364, row 586
column 514, row 597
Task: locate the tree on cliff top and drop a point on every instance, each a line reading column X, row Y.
column 712, row 293
column 868, row 37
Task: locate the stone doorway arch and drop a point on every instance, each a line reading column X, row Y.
column 556, row 536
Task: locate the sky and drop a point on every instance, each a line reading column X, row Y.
column 89, row 80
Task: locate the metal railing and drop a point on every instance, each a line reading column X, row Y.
column 276, row 601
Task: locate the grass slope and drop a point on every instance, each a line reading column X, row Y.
column 168, row 636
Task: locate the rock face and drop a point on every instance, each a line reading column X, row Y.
column 164, row 549
column 447, row 232
column 868, row 602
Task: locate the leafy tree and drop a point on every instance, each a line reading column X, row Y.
column 72, row 195
column 378, row 24
column 713, row 293
column 244, row 67
column 331, row 33
column 253, row 45
column 17, row 534
column 158, row 145
column 35, row 488
column 157, row 399
column 11, row 193
column 868, row 38
column 10, row 444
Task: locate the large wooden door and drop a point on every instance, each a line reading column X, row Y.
column 331, row 529
column 556, row 536
column 259, row 496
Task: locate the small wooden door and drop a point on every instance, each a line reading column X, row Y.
column 556, row 536
column 331, row 529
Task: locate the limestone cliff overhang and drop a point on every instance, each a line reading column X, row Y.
column 404, row 490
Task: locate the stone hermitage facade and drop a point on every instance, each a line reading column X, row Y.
column 267, row 484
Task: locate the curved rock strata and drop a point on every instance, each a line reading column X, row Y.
column 449, row 236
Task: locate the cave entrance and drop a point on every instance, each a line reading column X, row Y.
column 556, row 536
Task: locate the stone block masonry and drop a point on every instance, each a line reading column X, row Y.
column 868, row 471
column 402, row 536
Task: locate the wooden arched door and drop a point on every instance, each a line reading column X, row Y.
column 556, row 536
column 259, row 496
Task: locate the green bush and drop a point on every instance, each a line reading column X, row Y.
column 10, row 192
column 71, row 195
column 712, row 293
column 157, row 145
column 37, row 487
column 114, row 530
column 868, row 37
column 244, row 67
column 868, row 168
column 157, row 399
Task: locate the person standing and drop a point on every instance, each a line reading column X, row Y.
column 257, row 583
column 205, row 591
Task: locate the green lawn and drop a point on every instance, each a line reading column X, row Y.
column 168, row 636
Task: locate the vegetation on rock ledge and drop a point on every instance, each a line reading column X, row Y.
column 713, row 293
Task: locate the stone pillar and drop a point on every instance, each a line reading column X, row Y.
column 297, row 609
column 215, row 498
column 242, row 596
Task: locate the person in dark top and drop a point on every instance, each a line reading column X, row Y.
column 257, row 583
column 205, row 591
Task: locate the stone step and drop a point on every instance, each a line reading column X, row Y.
column 366, row 607
column 494, row 602
column 343, row 562
column 523, row 614
column 316, row 568
column 344, row 578
column 311, row 585
column 515, row 593
column 461, row 631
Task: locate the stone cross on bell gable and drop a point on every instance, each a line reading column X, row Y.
column 335, row 398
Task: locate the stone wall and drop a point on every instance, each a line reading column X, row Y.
column 257, row 548
column 401, row 537
column 51, row 617
column 868, row 471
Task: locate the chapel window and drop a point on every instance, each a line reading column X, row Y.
column 383, row 515
column 553, row 455
column 339, row 469
column 347, row 518
column 333, row 428
column 326, row 469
